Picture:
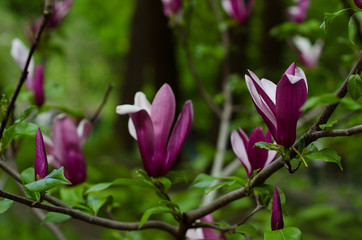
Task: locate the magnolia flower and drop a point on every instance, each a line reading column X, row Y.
column 358, row 3
column 238, row 9
column 204, row 233
column 252, row 157
column 171, row 7
column 40, row 163
column 150, row 125
column 279, row 105
column 308, row 54
column 277, row 214
column 35, row 80
column 60, row 11
column 298, row 12
column 66, row 147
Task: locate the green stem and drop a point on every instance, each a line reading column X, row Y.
column 300, row 156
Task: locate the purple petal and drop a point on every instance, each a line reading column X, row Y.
column 277, row 215
column 40, row 163
column 290, row 97
column 239, row 148
column 271, row 154
column 262, row 92
column 358, row 3
column 257, row 156
column 162, row 115
column 291, row 69
column 145, row 136
column 68, row 148
column 209, row 233
column 38, row 83
column 83, row 130
column 171, row 7
column 179, row 133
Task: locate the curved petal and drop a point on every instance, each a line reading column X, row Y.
column 239, row 149
column 290, row 97
column 270, row 88
column 40, row 162
column 276, row 215
column 75, row 169
column 162, row 115
column 261, row 91
column 271, row 154
column 140, row 100
column 145, row 136
column 257, row 156
column 83, row 130
column 127, row 109
column 261, row 107
column 179, row 133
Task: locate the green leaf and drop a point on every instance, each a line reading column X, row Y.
column 151, row 211
column 350, row 104
column 329, row 18
column 354, row 28
column 55, row 217
column 202, row 181
column 269, row 146
column 327, row 125
column 95, row 203
column 8, row 136
column 247, row 229
column 98, row 187
column 327, row 155
column 5, row 204
column 218, row 185
column 72, row 196
column 26, row 129
column 166, row 183
column 328, row 98
column 28, row 176
column 355, row 86
column 55, row 178
column 289, row 233
column 169, row 203
column 133, row 183
column 266, row 193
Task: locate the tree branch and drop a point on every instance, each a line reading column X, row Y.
column 46, row 15
column 89, row 218
column 104, row 101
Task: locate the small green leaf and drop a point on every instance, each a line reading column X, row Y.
column 247, row 229
column 5, row 204
column 289, row 233
column 327, row 125
column 270, row 146
column 202, row 181
column 166, row 183
column 355, row 86
column 28, row 176
column 28, row 129
column 327, row 155
column 350, row 104
column 354, row 28
column 312, row 102
column 55, row 178
column 218, row 185
column 55, row 217
column 98, row 187
column 329, row 18
column 266, row 193
column 8, row 136
column 95, row 203
column 169, row 203
column 151, row 211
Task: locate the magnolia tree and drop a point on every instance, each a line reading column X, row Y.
column 275, row 145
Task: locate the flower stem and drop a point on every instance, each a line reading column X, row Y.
column 300, row 156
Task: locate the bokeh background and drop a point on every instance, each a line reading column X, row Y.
column 132, row 45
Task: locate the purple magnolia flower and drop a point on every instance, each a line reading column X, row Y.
column 171, row 7
column 35, row 79
column 60, row 11
column 277, row 214
column 238, row 9
column 252, row 157
column 66, row 147
column 279, row 105
column 308, row 54
column 298, row 12
column 358, row 3
column 204, row 233
column 40, row 163
column 150, row 125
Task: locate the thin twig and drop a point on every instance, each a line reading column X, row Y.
column 91, row 219
column 104, row 101
column 46, row 15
